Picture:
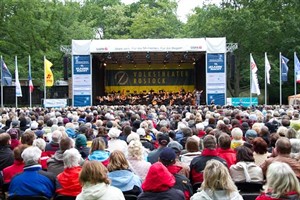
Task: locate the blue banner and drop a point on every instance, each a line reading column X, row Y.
column 82, row 100
column 244, row 101
column 81, row 64
column 215, row 63
column 216, row 99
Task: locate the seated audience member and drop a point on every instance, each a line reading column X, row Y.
column 159, row 184
column 69, row 179
column 6, row 154
column 168, row 158
column 282, row 183
column 14, row 135
column 163, row 140
column 260, row 148
column 28, row 137
column 177, row 147
column 55, row 163
column 53, row 146
column 245, row 170
column 114, row 143
column 95, row 183
column 192, row 150
column 237, row 138
column 249, row 137
column 136, row 161
column 198, row 163
column 282, row 152
column 217, row 184
column 41, row 144
column 120, row 175
column 98, row 151
column 18, row 165
column 81, row 145
column 225, row 152
column 33, row 181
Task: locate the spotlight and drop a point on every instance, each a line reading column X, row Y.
column 167, row 57
column 185, row 56
column 129, row 57
column 148, row 58
column 104, row 64
column 109, row 56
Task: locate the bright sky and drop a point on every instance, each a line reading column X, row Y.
column 184, row 6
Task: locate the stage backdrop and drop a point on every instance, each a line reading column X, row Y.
column 170, row 78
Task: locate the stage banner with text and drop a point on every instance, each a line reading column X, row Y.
column 82, row 81
column 150, row 77
column 215, row 78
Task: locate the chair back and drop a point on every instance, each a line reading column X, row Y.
column 19, row 197
column 62, row 197
column 196, row 186
column 130, row 197
column 249, row 196
column 245, row 187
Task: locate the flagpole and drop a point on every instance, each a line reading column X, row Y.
column 29, row 66
column 16, row 65
column 45, row 92
column 280, row 92
column 265, row 80
column 1, row 82
column 295, row 77
column 250, row 80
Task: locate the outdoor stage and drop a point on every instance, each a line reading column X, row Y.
column 139, row 66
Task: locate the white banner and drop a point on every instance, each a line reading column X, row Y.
column 55, row 103
column 150, row 45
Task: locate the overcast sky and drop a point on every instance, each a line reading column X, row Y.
column 184, row 6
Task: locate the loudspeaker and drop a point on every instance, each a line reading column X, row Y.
column 66, row 65
column 232, row 65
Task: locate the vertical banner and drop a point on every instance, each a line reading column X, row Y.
column 82, row 80
column 215, row 79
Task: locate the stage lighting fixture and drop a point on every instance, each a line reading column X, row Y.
column 129, row 57
column 185, row 56
column 167, row 57
column 109, row 56
column 148, row 58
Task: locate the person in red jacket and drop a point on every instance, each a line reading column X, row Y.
column 69, row 179
column 224, row 151
column 18, row 165
column 282, row 183
column 159, row 184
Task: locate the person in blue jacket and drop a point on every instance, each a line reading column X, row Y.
column 33, row 181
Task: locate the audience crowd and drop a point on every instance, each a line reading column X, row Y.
column 151, row 152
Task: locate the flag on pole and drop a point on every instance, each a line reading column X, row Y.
column 31, row 87
column 48, row 73
column 297, row 68
column 18, row 86
column 284, row 68
column 268, row 68
column 6, row 75
column 254, row 82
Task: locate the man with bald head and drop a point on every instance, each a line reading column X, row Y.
column 282, row 152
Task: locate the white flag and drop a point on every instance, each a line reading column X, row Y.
column 18, row 86
column 254, row 82
column 267, row 68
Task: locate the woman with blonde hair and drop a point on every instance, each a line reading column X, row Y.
column 95, row 183
column 217, row 184
column 120, row 175
column 282, row 183
column 136, row 161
